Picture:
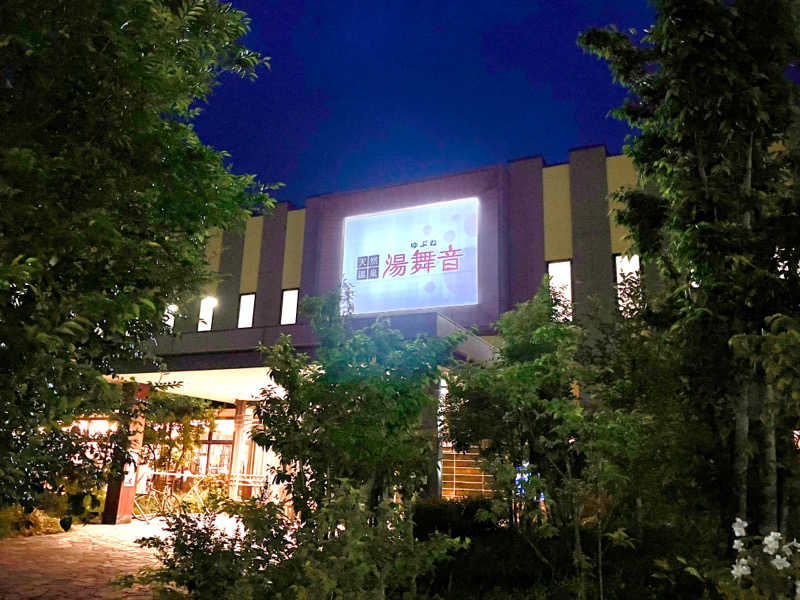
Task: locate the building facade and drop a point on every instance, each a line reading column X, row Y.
column 436, row 255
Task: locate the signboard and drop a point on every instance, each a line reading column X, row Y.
column 419, row 257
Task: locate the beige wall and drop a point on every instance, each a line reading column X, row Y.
column 557, row 213
column 213, row 257
column 251, row 256
column 619, row 173
column 293, row 251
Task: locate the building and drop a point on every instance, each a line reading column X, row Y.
column 435, row 255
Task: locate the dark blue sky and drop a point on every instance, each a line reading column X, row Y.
column 370, row 93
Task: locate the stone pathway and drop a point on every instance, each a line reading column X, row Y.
column 77, row 564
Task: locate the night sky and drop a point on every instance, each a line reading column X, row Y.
column 362, row 94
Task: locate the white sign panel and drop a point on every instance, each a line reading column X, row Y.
column 419, row 257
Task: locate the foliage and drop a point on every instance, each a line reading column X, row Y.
column 498, row 562
column 765, row 566
column 559, row 465
column 107, row 197
column 457, row 518
column 353, row 552
column 347, row 429
column 355, row 412
column 345, row 551
column 208, row 562
column 174, row 426
column 15, row 521
column 719, row 214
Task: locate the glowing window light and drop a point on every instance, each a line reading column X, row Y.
column 560, row 273
column 169, row 315
column 289, row 307
column 626, row 266
column 247, row 303
column 207, row 306
column 627, row 270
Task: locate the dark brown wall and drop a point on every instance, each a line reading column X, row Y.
column 526, row 265
column 267, row 311
column 322, row 252
column 226, row 313
column 592, row 267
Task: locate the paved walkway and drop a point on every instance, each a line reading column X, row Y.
column 78, row 564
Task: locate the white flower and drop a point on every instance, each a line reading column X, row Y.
column 779, row 562
column 738, row 545
column 740, row 568
column 739, row 527
column 797, row 589
column 772, row 542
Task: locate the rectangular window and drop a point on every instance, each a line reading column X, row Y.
column 247, row 303
column 626, row 266
column 207, row 306
column 289, row 307
column 560, row 273
column 169, row 316
column 627, row 271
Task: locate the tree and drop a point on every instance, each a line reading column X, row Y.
column 708, row 90
column 107, row 198
column 174, row 426
column 346, row 428
column 355, row 412
column 555, row 460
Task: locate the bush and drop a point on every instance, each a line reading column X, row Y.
column 14, row 522
column 497, row 561
column 457, row 518
column 343, row 550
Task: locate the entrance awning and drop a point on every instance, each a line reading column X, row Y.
column 220, row 365
column 223, row 385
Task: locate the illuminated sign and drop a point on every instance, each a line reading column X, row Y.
column 419, row 257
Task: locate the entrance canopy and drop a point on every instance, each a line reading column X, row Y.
column 220, row 365
column 224, row 385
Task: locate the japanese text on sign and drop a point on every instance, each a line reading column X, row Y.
column 423, row 256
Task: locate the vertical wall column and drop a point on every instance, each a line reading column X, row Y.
column 226, row 312
column 526, row 265
column 267, row 310
column 592, row 266
column 241, row 429
column 122, row 488
column 309, row 282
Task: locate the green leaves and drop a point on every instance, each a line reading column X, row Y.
column 106, row 193
column 717, row 151
column 356, row 411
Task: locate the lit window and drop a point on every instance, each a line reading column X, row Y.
column 247, row 303
column 627, row 270
column 560, row 273
column 207, row 306
column 169, row 315
column 626, row 266
column 289, row 307
column 224, row 429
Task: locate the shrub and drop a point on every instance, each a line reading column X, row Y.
column 14, row 521
column 342, row 550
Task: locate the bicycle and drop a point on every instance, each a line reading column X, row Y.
column 155, row 503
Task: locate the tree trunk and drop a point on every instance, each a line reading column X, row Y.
column 639, row 527
column 741, row 409
column 577, row 556
column 600, row 555
column 769, row 520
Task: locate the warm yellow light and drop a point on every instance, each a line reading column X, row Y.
column 207, row 306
